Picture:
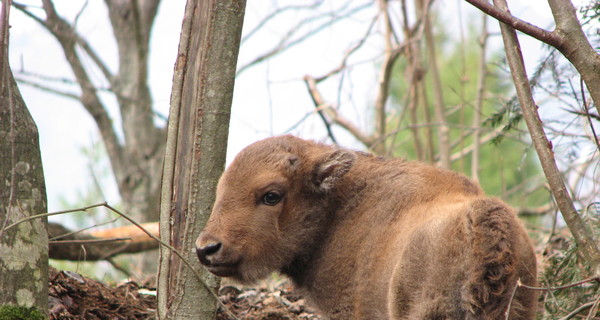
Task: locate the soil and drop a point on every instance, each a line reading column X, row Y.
column 73, row 296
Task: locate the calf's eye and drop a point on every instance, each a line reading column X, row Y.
column 271, row 198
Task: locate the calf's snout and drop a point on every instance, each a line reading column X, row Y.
column 207, row 247
column 204, row 253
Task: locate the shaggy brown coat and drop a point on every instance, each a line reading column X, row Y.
column 368, row 238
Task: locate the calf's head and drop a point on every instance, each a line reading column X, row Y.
column 271, row 204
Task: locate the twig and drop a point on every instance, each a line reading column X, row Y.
column 593, row 310
column 519, row 284
column 285, row 45
column 41, row 215
column 79, row 13
column 348, row 53
column 467, row 150
column 183, row 259
column 276, row 13
column 308, row 114
column 42, row 87
column 318, row 101
column 577, row 310
column 587, row 113
column 88, row 241
column 566, row 286
column 82, row 229
column 512, row 297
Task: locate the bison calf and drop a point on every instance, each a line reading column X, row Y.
column 365, row 237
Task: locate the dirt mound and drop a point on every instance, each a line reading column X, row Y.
column 73, row 296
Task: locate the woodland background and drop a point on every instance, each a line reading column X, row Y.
column 423, row 80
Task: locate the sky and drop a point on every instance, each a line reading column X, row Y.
column 268, row 99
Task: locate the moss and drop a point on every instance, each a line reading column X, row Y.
column 12, row 312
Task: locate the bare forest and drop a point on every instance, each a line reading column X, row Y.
column 119, row 116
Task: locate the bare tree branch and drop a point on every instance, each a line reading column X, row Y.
column 278, row 12
column 49, row 89
column 344, row 63
column 568, row 38
column 476, row 144
column 516, row 23
column 78, row 39
column 286, row 43
column 319, row 105
column 332, row 114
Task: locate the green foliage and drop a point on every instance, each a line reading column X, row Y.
column 12, row 312
column 508, row 164
column 565, row 266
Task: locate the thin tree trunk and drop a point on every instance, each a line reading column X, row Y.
column 23, row 248
column 581, row 232
column 479, row 100
column 196, row 145
column 443, row 131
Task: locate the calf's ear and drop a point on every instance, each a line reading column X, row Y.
column 329, row 169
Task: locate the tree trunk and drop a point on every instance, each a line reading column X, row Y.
column 443, row 131
column 139, row 179
column 23, row 248
column 196, row 145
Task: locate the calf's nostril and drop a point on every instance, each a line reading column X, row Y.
column 212, row 248
column 208, row 250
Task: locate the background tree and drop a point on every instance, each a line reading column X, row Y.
column 24, row 246
column 135, row 149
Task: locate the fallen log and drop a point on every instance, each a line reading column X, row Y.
column 65, row 244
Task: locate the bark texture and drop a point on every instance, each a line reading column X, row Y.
column 23, row 248
column 196, row 146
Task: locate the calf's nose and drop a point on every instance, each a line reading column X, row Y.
column 205, row 251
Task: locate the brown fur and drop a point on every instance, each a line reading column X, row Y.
column 368, row 238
